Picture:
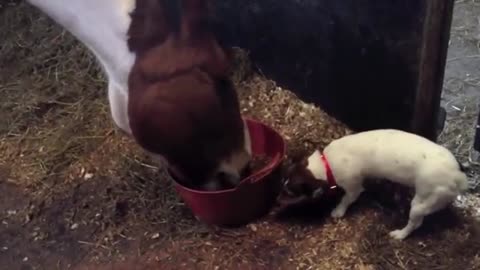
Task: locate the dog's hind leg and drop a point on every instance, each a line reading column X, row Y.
column 422, row 207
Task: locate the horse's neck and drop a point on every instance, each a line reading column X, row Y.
column 101, row 25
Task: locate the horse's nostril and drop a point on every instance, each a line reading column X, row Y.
column 222, row 179
column 227, row 180
column 221, row 176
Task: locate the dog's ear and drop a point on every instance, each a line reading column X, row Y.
column 304, row 162
column 296, row 158
column 290, row 169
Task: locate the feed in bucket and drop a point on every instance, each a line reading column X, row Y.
column 256, row 164
column 256, row 193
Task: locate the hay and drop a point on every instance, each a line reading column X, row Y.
column 304, row 126
column 74, row 192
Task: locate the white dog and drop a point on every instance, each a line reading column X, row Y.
column 399, row 156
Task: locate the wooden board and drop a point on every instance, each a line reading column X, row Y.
column 359, row 60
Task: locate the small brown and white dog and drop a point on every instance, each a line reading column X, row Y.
column 398, row 156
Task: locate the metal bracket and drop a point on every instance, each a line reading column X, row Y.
column 476, row 139
column 441, row 118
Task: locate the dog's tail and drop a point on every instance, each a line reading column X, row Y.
column 460, row 166
column 461, row 181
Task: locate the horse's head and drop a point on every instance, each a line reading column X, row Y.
column 194, row 121
column 182, row 104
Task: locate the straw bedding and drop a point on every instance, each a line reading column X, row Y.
column 75, row 192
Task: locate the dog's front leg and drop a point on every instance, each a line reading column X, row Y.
column 351, row 195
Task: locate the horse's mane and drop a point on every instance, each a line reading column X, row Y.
column 154, row 20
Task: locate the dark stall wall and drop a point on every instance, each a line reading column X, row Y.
column 357, row 59
column 428, row 117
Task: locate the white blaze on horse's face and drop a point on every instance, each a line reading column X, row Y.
column 232, row 167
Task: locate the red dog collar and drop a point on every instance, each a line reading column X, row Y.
column 330, row 178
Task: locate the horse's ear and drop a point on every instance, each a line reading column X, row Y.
column 194, row 14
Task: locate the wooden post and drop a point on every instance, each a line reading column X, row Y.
column 433, row 53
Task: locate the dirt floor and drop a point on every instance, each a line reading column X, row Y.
column 77, row 194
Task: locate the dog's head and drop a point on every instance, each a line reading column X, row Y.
column 301, row 182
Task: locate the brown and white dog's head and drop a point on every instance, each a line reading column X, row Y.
column 301, row 181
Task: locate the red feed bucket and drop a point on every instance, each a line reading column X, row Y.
column 254, row 196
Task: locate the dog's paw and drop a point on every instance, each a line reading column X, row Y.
column 398, row 234
column 338, row 213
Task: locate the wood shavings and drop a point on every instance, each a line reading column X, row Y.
column 129, row 207
column 304, row 126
